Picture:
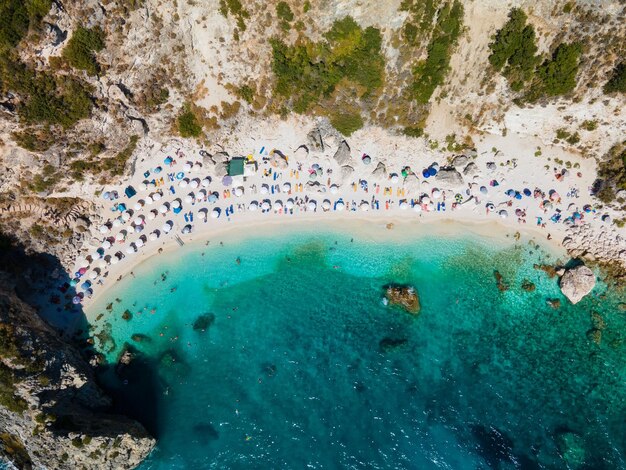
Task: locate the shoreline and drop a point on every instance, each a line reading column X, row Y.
column 359, row 224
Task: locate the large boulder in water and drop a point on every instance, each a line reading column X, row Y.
column 403, row 296
column 577, row 282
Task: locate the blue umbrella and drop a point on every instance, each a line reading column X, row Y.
column 509, row 192
column 168, row 160
column 432, row 171
column 425, row 173
column 517, row 195
column 76, row 300
column 73, row 282
column 212, row 197
column 527, row 192
column 85, row 285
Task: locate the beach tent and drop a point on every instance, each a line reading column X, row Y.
column 236, row 166
column 130, row 192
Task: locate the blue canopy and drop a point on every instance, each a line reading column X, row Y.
column 168, row 160
column 527, row 192
column 425, row 173
column 432, row 171
column 130, row 192
column 121, row 207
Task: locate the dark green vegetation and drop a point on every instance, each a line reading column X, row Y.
column 617, row 82
column 563, row 134
column 513, row 53
column 17, row 17
column 113, row 165
column 188, row 124
column 430, row 73
column 422, row 16
column 284, row 13
column 236, row 9
column 346, row 123
column 307, row 73
column 81, row 48
column 612, row 170
column 513, row 50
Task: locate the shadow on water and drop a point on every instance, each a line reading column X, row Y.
column 40, row 280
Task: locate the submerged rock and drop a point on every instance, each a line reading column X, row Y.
column 595, row 335
column 502, row 286
column 572, row 448
column 204, row 322
column 389, row 344
column 127, row 315
column 577, row 283
column 403, row 296
column 554, row 303
column 141, row 338
column 528, row 286
column 551, row 271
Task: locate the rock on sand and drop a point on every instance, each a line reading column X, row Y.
column 577, row 283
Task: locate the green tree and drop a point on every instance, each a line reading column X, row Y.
column 558, row 74
column 81, row 48
column 284, row 11
column 188, row 124
column 617, row 82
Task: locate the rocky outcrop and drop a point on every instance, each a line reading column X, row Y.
column 403, row 296
column 52, row 413
column 449, row 177
column 577, row 282
column 342, row 155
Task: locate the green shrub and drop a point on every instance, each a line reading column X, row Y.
column 246, row 93
column 17, row 16
column 557, row 75
column 413, row 131
column 307, row 6
column 8, row 398
column 188, row 124
column 422, row 13
column 410, row 34
column 235, row 8
column 513, row 50
column 617, row 82
column 81, row 48
column 431, row 73
column 589, row 125
column 284, row 11
column 346, row 123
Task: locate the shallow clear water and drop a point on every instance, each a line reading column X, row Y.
column 304, row 366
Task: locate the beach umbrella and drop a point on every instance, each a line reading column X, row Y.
column 82, row 263
column 483, row 190
column 193, row 184
column 436, row 194
column 197, row 166
column 311, row 205
column 163, row 209
column 137, row 206
column 117, row 223
column 85, row 285
column 215, row 213
column 340, row 206
column 490, row 206
column 106, row 244
column 286, row 187
column 458, row 198
column 365, row 206
column 266, row 205
column 205, row 182
column 149, row 199
column 182, row 184
column 73, row 282
column 93, row 275
column 186, row 229
column 130, row 250
column 394, row 178
column 334, row 189
column 153, row 236
column 189, row 198
column 139, row 243
column 289, row 204
column 253, row 206
column 76, row 300
column 126, row 216
column 435, row 166
column 606, row 218
column 265, row 189
column 168, row 160
column 104, row 229
column 504, row 214
column 187, row 167
column 212, row 197
column 366, row 159
column 417, row 208
column 527, row 192
column 120, row 236
column 554, row 196
column 138, row 228
column 432, row 171
column 81, row 271
column 239, row 191
column 326, row 204
column 138, row 220
column 175, row 204
column 278, row 205
column 114, row 260
column 404, row 205
column 425, row 173
column 152, row 215
column 227, row 180
column 106, row 195
column 167, row 226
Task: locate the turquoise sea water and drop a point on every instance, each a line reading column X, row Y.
column 301, row 365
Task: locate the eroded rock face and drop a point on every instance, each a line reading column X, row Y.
column 577, row 283
column 342, row 155
column 405, row 297
column 55, row 401
column 449, row 177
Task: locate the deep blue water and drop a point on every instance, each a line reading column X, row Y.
column 303, row 366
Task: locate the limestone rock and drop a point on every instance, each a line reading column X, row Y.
column 342, row 155
column 449, row 177
column 346, row 171
column 460, row 161
column 315, row 141
column 380, row 171
column 403, row 296
column 491, row 166
column 471, row 169
column 577, row 283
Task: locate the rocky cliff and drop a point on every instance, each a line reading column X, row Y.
column 52, row 413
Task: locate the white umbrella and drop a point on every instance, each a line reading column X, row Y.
column 176, row 204
column 143, row 186
column 139, row 243
column 265, row 206
column 149, row 200
column 137, row 206
column 215, row 213
column 286, row 187
column 182, row 184
column 189, row 198
column 334, row 189
column 93, row 275
column 101, row 263
column 163, row 209
column 187, row 167
column 138, row 220
column 114, row 260
column 194, row 184
column 153, row 236
column 130, row 250
column 138, row 228
column 126, row 216
column 265, row 189
column 504, row 214
column 117, row 223
column 239, row 191
column 394, row 178
column 151, row 215
column 417, row 208
column 82, row 263
column 326, row 205
column 278, row 205
column 197, row 166
column 104, row 229
column 365, row 206
column 436, row 193
column 311, row 205
column 404, row 205
column 106, row 244
column 425, row 200
column 205, row 182
column 289, row 204
column 166, row 227
column 340, row 206
column 156, row 197
column 186, row 229
column 253, row 206
column 120, row 236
